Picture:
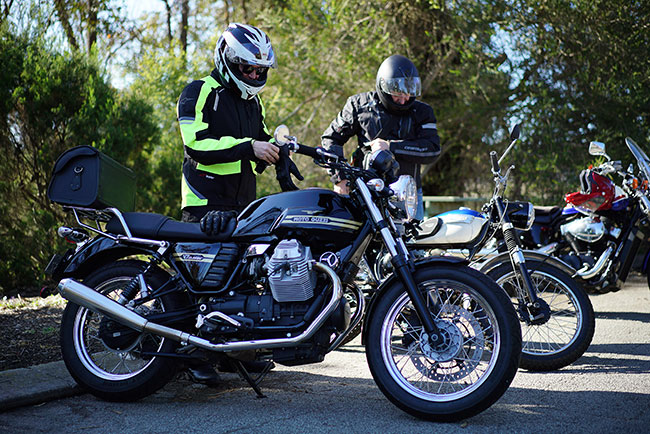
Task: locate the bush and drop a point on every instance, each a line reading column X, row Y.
column 50, row 102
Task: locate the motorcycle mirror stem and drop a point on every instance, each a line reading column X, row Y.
column 514, row 136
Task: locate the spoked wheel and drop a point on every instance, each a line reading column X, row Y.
column 107, row 358
column 464, row 373
column 567, row 334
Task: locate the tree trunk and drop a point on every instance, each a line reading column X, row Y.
column 168, row 8
column 91, row 37
column 185, row 12
column 6, row 10
column 64, row 19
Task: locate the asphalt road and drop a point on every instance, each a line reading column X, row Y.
column 607, row 390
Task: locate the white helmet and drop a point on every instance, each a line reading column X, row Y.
column 241, row 44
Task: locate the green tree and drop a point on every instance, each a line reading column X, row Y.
column 585, row 75
column 53, row 101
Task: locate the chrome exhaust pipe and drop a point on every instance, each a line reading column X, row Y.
column 84, row 296
column 356, row 319
column 588, row 273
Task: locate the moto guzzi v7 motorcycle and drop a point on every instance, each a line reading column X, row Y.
column 603, row 226
column 147, row 292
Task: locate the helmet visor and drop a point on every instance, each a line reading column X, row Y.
column 401, row 86
column 253, row 56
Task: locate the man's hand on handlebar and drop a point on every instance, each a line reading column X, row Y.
column 266, row 151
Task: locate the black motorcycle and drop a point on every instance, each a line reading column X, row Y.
column 148, row 293
column 602, row 227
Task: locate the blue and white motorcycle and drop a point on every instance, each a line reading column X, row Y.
column 555, row 313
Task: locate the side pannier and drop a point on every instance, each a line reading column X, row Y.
column 85, row 177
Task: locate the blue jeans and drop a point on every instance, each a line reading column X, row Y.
column 419, row 213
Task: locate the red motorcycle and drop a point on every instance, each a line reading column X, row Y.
column 600, row 230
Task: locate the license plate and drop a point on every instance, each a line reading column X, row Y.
column 53, row 264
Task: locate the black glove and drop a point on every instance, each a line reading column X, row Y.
column 216, row 222
column 284, row 168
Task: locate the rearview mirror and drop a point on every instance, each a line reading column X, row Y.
column 598, row 148
column 514, row 134
column 281, row 135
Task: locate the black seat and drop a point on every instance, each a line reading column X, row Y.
column 160, row 227
column 545, row 215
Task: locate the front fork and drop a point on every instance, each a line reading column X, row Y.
column 535, row 309
column 402, row 264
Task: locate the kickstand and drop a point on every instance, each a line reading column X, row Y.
column 254, row 383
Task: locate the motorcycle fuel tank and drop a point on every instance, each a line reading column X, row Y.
column 458, row 227
column 321, row 213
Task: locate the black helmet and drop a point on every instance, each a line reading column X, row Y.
column 397, row 75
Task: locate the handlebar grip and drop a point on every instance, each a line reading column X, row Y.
column 495, row 161
column 306, row 150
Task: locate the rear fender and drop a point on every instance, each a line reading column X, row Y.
column 394, row 280
column 99, row 251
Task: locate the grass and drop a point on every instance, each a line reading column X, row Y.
column 18, row 302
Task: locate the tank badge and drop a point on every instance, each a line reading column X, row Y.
column 330, row 259
column 322, row 220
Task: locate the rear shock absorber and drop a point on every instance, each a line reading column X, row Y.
column 137, row 283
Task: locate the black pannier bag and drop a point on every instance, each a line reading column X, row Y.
column 84, row 177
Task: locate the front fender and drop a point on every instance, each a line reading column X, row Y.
column 99, row 251
column 392, row 279
column 494, row 262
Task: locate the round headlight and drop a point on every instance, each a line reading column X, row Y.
column 521, row 214
column 405, row 195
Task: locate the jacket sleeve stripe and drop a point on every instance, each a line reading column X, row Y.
column 190, row 115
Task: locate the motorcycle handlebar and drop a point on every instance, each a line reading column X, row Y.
column 305, row 150
column 317, row 153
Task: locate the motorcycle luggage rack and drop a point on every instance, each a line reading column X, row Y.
column 104, row 216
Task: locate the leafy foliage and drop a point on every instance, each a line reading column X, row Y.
column 585, row 76
column 54, row 101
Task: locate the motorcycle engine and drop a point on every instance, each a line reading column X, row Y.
column 290, row 274
column 585, row 229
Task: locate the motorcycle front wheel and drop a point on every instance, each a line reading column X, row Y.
column 108, row 359
column 570, row 328
column 466, row 373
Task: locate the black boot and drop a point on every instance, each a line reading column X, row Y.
column 203, row 373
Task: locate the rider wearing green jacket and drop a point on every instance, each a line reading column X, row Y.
column 221, row 119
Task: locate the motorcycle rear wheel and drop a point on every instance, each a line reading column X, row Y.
column 467, row 374
column 104, row 357
column 565, row 337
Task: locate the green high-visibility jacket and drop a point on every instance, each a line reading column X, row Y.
column 218, row 128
